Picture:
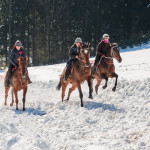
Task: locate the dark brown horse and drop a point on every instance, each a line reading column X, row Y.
column 106, row 67
column 19, row 81
column 81, row 71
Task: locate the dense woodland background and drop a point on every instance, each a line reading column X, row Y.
column 47, row 28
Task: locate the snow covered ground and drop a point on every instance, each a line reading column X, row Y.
column 111, row 121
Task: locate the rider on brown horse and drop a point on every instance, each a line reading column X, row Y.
column 74, row 54
column 102, row 49
column 15, row 53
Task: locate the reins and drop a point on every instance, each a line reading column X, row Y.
column 113, row 56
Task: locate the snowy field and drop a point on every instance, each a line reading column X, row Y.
column 111, row 121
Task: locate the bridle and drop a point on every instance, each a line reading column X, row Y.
column 23, row 76
column 112, row 55
column 81, row 59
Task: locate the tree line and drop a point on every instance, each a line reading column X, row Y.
column 48, row 28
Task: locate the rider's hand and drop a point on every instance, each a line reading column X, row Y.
column 77, row 56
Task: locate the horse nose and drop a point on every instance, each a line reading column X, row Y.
column 120, row 60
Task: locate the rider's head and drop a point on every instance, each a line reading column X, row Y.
column 78, row 41
column 18, row 44
column 105, row 38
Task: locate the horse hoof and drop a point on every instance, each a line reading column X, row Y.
column 24, row 109
column 5, row 104
column 113, row 89
column 11, row 104
column 66, row 100
column 81, row 105
column 104, row 87
column 90, row 96
column 96, row 92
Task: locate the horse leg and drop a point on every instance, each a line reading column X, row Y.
column 106, row 79
column 97, row 85
column 80, row 93
column 24, row 97
column 115, row 75
column 71, row 90
column 90, row 84
column 6, row 94
column 16, row 97
column 12, row 93
column 64, row 86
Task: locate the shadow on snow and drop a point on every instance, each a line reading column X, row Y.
column 33, row 111
column 95, row 105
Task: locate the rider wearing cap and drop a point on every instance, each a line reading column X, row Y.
column 102, row 48
column 74, row 54
column 15, row 53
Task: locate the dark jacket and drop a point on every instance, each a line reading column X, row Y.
column 102, row 48
column 74, row 51
column 14, row 55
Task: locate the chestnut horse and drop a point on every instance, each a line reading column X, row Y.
column 106, row 67
column 19, row 81
column 81, row 71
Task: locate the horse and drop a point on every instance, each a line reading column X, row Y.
column 19, row 81
column 80, row 72
column 106, row 67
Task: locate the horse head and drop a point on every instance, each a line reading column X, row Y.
column 116, row 52
column 23, row 66
column 85, row 53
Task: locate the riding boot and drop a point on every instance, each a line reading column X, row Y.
column 93, row 70
column 66, row 75
column 29, row 81
column 7, row 81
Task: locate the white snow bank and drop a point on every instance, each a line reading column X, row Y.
column 111, row 121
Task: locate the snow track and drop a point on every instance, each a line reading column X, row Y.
column 111, row 121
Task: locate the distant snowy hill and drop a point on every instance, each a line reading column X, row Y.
column 111, row 121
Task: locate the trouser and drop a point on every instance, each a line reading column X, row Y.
column 9, row 73
column 97, row 59
column 69, row 67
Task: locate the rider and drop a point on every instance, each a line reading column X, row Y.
column 102, row 48
column 15, row 53
column 74, row 54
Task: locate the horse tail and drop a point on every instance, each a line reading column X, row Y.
column 59, row 85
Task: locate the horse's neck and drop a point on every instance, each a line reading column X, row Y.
column 109, row 53
column 83, row 60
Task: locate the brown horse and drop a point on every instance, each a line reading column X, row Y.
column 19, row 81
column 81, row 71
column 106, row 67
